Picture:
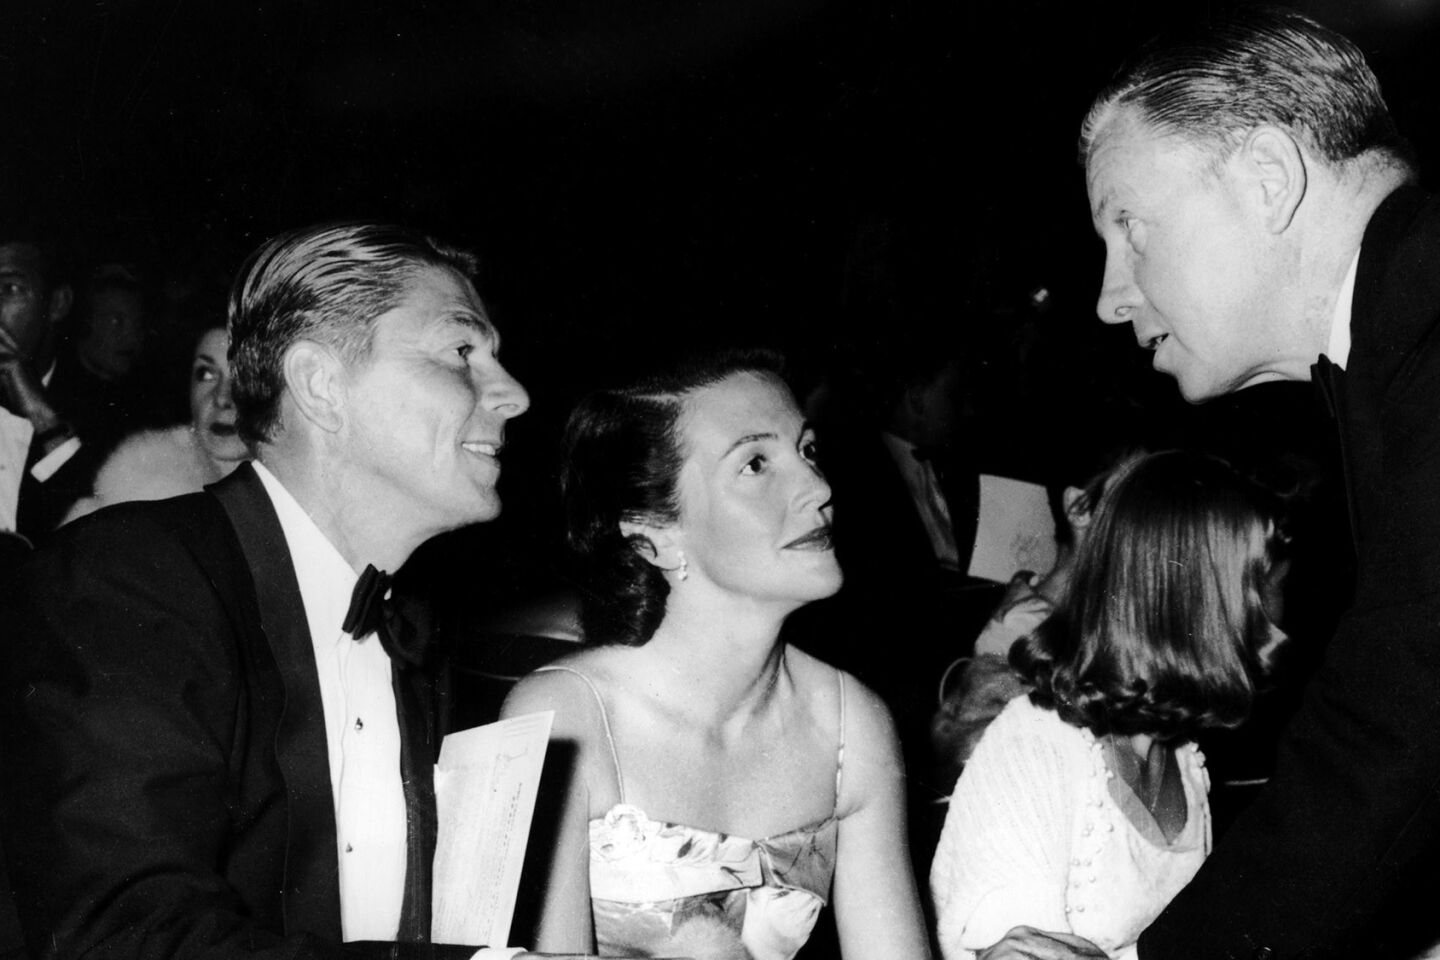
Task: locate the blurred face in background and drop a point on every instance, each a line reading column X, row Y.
column 212, row 412
column 29, row 309
column 115, row 338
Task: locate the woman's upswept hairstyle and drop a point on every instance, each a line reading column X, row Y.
column 1163, row 629
column 1210, row 82
column 620, row 461
column 327, row 283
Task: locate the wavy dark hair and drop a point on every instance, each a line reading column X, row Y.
column 621, row 457
column 1163, row 629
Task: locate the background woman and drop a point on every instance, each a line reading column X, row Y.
column 1083, row 808
column 153, row 464
column 725, row 785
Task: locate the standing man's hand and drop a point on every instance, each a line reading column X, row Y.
column 1027, row 943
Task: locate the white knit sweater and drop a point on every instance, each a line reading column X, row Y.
column 1034, row 836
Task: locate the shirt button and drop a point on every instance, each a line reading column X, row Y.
column 359, row 724
column 349, row 848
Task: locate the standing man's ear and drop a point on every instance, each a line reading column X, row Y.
column 314, row 381
column 1275, row 165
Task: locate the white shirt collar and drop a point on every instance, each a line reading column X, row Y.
column 1338, row 349
column 326, row 580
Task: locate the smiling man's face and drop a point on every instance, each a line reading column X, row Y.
column 426, row 409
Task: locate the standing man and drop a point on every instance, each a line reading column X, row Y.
column 1254, row 201
column 218, row 731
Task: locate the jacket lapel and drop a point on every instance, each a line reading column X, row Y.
column 312, row 890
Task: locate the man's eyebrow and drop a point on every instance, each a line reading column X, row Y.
column 478, row 322
column 749, row 438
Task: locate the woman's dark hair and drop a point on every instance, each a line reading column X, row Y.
column 1163, row 629
column 621, row 457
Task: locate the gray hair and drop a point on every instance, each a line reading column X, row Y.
column 1211, row 82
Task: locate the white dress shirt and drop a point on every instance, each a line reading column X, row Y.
column 362, row 731
column 15, row 436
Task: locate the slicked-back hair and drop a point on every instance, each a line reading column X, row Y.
column 1163, row 628
column 326, row 283
column 621, row 457
column 1211, row 82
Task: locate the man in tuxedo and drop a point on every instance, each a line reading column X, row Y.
column 219, row 726
column 40, row 475
column 1253, row 198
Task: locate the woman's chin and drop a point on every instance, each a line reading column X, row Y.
column 826, row 584
column 225, row 452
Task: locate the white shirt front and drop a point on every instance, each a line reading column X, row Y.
column 15, row 436
column 362, row 731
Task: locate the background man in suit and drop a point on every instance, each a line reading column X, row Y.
column 1251, row 192
column 213, row 746
column 37, row 446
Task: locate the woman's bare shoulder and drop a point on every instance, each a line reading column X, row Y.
column 572, row 686
column 865, row 713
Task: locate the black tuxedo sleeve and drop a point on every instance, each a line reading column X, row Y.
column 143, row 813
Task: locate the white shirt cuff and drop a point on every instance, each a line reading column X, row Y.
column 46, row 466
column 497, row 953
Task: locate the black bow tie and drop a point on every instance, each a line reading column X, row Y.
column 1329, row 379
column 372, row 610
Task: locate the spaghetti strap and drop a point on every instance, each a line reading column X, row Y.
column 840, row 750
column 605, row 720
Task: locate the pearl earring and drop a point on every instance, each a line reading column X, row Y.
column 684, row 568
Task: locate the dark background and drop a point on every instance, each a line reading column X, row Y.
column 639, row 175
column 636, row 174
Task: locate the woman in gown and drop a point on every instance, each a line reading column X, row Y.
column 154, row 464
column 725, row 786
column 1084, row 808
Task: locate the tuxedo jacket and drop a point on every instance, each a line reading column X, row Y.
column 165, row 782
column 43, row 504
column 101, row 415
column 1339, row 854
